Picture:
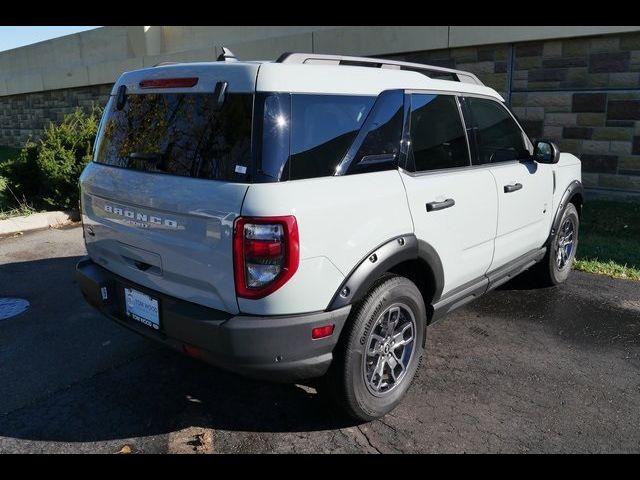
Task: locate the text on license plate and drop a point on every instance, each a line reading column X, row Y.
column 142, row 307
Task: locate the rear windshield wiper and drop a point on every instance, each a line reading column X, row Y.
column 147, row 157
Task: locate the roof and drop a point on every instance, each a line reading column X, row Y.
column 295, row 78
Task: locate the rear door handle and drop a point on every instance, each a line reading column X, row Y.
column 512, row 188
column 433, row 206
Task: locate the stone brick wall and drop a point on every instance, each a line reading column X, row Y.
column 26, row 115
column 583, row 93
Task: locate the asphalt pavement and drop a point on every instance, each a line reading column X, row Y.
column 522, row 369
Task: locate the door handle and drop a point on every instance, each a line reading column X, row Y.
column 512, row 188
column 433, row 206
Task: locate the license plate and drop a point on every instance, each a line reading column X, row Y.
column 142, row 307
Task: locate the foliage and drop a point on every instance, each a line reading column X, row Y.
column 46, row 172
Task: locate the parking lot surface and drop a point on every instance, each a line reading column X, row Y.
column 520, row 370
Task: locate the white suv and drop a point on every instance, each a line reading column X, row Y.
column 313, row 215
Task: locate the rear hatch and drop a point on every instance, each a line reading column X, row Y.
column 169, row 176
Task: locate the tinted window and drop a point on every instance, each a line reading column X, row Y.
column 322, row 129
column 437, row 134
column 499, row 137
column 379, row 143
column 180, row 134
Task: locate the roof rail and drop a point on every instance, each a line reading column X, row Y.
column 428, row 70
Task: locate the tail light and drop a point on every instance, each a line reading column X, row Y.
column 266, row 254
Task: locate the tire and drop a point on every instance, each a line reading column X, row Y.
column 555, row 267
column 392, row 300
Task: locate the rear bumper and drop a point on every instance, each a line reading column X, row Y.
column 277, row 348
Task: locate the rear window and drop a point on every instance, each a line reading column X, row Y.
column 179, row 134
column 322, row 130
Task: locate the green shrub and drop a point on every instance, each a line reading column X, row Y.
column 46, row 173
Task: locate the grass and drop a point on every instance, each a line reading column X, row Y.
column 609, row 241
column 23, row 210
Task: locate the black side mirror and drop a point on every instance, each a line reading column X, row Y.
column 545, row 151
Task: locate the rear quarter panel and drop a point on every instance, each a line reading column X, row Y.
column 340, row 220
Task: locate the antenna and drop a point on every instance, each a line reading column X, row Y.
column 226, row 56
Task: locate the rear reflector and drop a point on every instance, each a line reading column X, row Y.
column 169, row 82
column 321, row 332
column 192, row 351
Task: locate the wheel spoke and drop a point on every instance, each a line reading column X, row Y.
column 399, row 338
column 392, row 320
column 372, row 351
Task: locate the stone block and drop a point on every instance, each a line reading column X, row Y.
column 534, row 113
column 552, row 132
column 612, row 133
column 477, row 67
column 486, row 54
column 552, row 49
column 599, row 163
column 589, row 102
column 561, row 119
column 630, row 41
column 578, row 133
column 564, row 62
column 621, row 182
column 624, row 79
column 532, row 49
column 547, row 75
column 620, row 148
column 520, row 74
column 519, row 99
column 597, row 80
column 636, row 145
column 623, row 110
column 590, row 179
column 528, row 63
column 575, row 47
column 609, row 43
column 548, row 100
column 595, row 146
column 629, row 162
column 609, row 62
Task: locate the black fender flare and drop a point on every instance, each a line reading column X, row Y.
column 381, row 259
column 573, row 189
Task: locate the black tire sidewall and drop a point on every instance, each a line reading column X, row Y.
column 363, row 403
column 557, row 275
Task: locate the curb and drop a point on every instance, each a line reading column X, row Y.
column 37, row 221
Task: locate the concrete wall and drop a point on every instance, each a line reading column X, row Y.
column 579, row 86
column 99, row 56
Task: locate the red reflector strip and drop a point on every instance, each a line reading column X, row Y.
column 191, row 351
column 261, row 248
column 169, row 82
column 321, row 332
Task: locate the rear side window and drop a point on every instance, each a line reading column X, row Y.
column 437, row 136
column 498, row 136
column 179, row 134
column 323, row 127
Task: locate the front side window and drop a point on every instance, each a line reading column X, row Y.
column 184, row 134
column 437, row 135
column 498, row 136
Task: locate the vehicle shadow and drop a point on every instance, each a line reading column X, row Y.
column 70, row 375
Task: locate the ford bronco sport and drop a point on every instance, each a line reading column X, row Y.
column 312, row 216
